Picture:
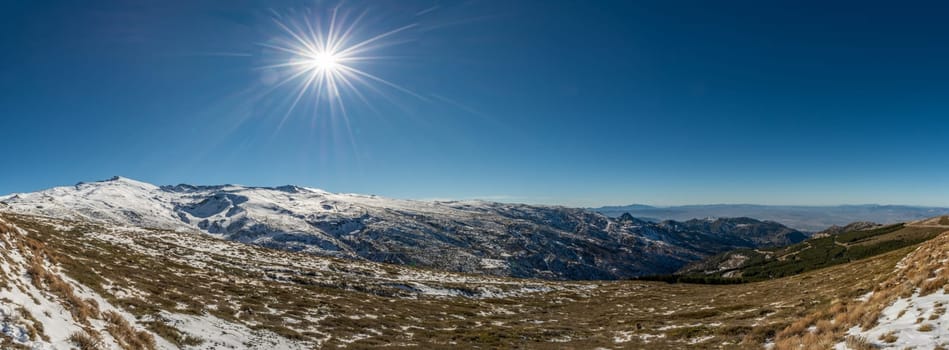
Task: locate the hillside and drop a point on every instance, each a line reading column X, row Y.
column 905, row 311
column 806, row 218
column 853, row 226
column 827, row 249
column 479, row 237
column 80, row 282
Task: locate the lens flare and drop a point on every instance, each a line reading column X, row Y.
column 322, row 52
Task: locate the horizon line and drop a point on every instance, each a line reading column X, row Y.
column 515, row 199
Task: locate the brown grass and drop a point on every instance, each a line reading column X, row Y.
column 889, row 337
column 126, row 335
column 82, row 310
column 319, row 301
column 85, row 341
column 859, row 343
column 931, row 285
column 922, row 272
column 173, row 335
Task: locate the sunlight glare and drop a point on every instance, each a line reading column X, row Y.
column 321, row 53
column 326, row 61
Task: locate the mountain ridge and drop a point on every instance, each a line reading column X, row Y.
column 516, row 240
column 837, row 245
column 801, row 217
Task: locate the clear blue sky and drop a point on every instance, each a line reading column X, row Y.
column 580, row 103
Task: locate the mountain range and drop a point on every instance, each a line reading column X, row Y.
column 121, row 264
column 462, row 236
column 805, row 218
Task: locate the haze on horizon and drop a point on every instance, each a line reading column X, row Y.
column 553, row 102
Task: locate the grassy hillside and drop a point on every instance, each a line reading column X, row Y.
column 160, row 275
column 815, row 253
column 906, row 311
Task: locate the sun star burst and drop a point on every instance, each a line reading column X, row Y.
column 322, row 53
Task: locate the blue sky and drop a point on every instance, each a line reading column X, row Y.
column 560, row 102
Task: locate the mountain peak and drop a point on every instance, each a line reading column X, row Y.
column 121, row 180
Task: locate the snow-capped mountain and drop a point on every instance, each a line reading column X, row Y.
column 469, row 236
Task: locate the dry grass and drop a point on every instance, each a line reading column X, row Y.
column 933, row 284
column 926, row 328
column 127, row 337
column 173, row 335
column 859, row 343
column 923, row 271
column 937, row 312
column 889, row 337
column 275, row 291
column 85, row 340
column 42, row 278
column 34, row 327
column 6, row 228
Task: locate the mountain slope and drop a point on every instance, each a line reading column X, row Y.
column 906, row 310
column 823, row 250
column 483, row 237
column 193, row 291
column 851, row 227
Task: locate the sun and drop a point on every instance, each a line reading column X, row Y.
column 322, row 52
column 325, row 61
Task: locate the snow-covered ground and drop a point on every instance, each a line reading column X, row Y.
column 38, row 318
column 25, row 307
column 917, row 322
column 913, row 300
column 233, row 295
